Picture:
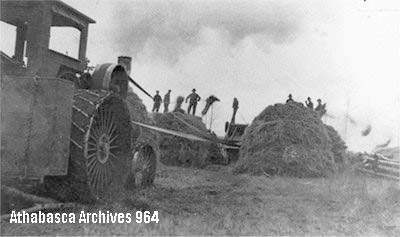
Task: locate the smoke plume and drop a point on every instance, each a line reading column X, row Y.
column 168, row 29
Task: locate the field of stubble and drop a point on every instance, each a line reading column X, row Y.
column 215, row 202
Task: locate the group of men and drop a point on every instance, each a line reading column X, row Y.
column 193, row 98
column 320, row 107
column 158, row 100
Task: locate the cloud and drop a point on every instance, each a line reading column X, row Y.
column 169, row 29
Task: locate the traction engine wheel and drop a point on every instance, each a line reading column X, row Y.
column 143, row 168
column 100, row 148
column 106, row 156
column 149, row 170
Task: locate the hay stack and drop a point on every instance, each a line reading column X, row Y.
column 139, row 113
column 338, row 147
column 289, row 139
column 180, row 151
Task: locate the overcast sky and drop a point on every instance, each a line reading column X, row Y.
column 344, row 52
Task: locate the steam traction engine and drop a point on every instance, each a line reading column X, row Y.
column 61, row 127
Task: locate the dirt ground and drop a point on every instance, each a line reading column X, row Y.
column 215, row 202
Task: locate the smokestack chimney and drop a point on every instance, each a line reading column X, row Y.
column 126, row 62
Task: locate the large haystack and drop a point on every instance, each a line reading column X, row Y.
column 290, row 139
column 180, row 151
column 338, row 147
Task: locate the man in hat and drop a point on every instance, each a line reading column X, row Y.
column 166, row 101
column 309, row 103
column 290, row 99
column 193, row 99
column 157, row 102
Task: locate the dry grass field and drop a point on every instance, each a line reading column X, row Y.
column 215, row 202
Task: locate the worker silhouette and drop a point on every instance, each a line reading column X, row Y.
column 309, row 103
column 157, row 102
column 178, row 105
column 166, row 101
column 235, row 107
column 290, row 99
column 209, row 101
column 193, row 99
column 320, row 108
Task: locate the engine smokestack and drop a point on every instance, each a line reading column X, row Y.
column 126, row 62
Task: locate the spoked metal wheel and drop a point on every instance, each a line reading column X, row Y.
column 101, row 138
column 143, row 167
column 106, row 151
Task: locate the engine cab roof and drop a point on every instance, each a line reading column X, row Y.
column 18, row 12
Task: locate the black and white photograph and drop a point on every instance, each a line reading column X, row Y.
column 200, row 117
